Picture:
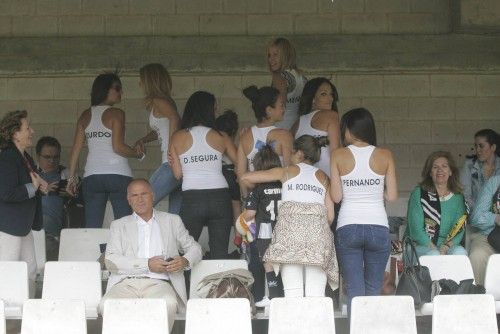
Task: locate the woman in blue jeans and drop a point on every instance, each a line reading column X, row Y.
column 362, row 175
column 163, row 121
column 107, row 173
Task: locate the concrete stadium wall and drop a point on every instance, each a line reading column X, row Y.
column 220, row 17
column 429, row 87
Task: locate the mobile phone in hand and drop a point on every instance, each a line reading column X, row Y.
column 168, row 259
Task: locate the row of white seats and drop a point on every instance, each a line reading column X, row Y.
column 82, row 244
column 374, row 315
column 458, row 268
column 84, row 279
column 80, row 280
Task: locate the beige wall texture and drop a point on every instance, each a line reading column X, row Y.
column 428, row 86
column 220, row 17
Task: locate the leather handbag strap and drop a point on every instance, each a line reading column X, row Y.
column 409, row 259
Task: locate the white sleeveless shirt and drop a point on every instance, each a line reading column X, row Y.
column 101, row 158
column 304, row 187
column 295, row 83
column 201, row 163
column 259, row 140
column 161, row 125
column 363, row 192
column 305, row 128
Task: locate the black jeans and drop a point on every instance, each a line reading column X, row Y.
column 211, row 208
column 256, row 267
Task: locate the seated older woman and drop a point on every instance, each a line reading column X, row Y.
column 436, row 209
column 484, row 218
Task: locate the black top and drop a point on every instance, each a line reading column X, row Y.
column 19, row 214
column 265, row 198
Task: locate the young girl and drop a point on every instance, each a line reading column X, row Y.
column 107, row 172
column 302, row 238
column 262, row 205
column 362, row 176
column 269, row 108
column 286, row 78
column 319, row 117
column 164, row 121
column 196, row 153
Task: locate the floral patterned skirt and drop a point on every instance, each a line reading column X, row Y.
column 302, row 236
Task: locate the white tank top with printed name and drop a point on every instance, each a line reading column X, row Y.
column 101, row 158
column 201, row 163
column 295, row 83
column 259, row 140
column 363, row 192
column 305, row 128
column 161, row 125
column 305, row 187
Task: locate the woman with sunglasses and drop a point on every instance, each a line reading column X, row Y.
column 107, row 173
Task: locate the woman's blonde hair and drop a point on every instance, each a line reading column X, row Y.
column 287, row 53
column 156, row 80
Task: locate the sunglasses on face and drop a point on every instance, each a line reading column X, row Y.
column 51, row 157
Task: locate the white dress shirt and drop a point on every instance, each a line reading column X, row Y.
column 149, row 242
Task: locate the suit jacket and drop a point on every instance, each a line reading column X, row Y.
column 19, row 214
column 121, row 251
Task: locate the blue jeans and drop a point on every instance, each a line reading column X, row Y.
column 97, row 189
column 164, row 183
column 362, row 252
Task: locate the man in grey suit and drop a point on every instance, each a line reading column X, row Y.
column 143, row 253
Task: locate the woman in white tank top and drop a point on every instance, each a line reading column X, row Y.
column 107, row 173
column 196, row 157
column 286, row 77
column 319, row 117
column 362, row 176
column 268, row 107
column 163, row 121
column 302, row 240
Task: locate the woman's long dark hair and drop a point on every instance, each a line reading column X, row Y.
column 360, row 124
column 101, row 86
column 310, row 89
column 199, row 110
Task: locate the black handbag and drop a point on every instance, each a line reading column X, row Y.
column 415, row 281
column 494, row 238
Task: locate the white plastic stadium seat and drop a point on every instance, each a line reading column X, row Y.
column 492, row 279
column 82, row 244
column 454, row 267
column 139, row 315
column 301, row 316
column 54, row 317
column 14, row 289
column 218, row 315
column 40, row 250
column 209, row 267
column 464, row 314
column 383, row 315
column 2, row 318
column 74, row 280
